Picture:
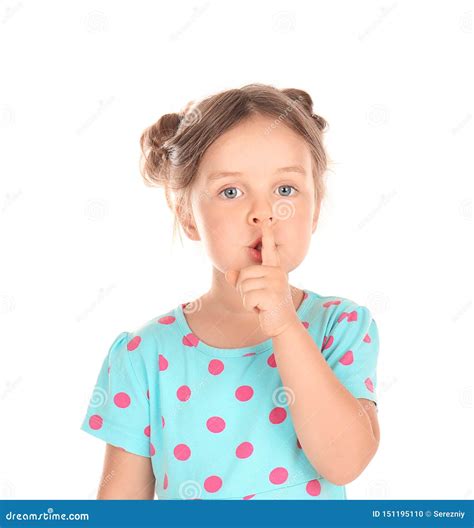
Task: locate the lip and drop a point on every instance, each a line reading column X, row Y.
column 255, row 254
column 254, row 244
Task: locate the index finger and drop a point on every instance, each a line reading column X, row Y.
column 270, row 255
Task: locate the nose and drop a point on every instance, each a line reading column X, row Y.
column 258, row 219
column 260, row 212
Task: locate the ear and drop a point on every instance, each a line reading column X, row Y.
column 186, row 219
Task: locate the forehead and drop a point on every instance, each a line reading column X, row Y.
column 260, row 144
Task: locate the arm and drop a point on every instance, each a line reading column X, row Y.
column 334, row 428
column 126, row 476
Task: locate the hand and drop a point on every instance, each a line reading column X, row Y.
column 264, row 288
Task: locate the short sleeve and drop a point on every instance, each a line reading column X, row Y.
column 119, row 411
column 351, row 349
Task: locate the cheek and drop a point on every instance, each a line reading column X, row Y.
column 216, row 229
column 293, row 218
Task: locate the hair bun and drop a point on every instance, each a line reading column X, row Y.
column 153, row 146
column 305, row 101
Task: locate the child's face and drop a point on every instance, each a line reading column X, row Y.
column 228, row 222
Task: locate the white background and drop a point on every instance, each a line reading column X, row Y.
column 87, row 248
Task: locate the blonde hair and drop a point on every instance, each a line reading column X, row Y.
column 172, row 148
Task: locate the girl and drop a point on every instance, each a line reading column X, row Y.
column 257, row 389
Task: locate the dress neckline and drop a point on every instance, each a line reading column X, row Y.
column 201, row 346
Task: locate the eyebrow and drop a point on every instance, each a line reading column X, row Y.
column 222, row 174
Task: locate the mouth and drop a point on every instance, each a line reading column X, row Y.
column 257, row 244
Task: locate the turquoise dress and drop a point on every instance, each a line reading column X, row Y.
column 215, row 422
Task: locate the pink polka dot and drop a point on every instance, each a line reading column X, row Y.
column 305, row 295
column 182, row 452
column 313, row 487
column 327, row 342
column 369, row 384
column 215, row 424
column 162, row 422
column 96, row 421
column 165, row 481
column 347, row 358
column 244, row 450
column 248, row 497
column 167, row 319
column 183, row 393
column 122, row 400
column 148, row 394
column 248, row 354
column 213, row 484
column 367, row 339
column 305, row 324
column 152, row 449
column 330, row 303
column 277, row 415
column 162, row 362
column 298, row 445
column 215, row 367
column 190, row 340
column 351, row 316
column 147, row 430
column 133, row 343
column 244, row 393
column 278, row 475
column 271, row 361
column 108, row 370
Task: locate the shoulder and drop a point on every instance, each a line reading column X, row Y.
column 146, row 341
column 335, row 309
column 341, row 319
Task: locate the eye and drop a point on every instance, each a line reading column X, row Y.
column 280, row 187
column 226, row 189
column 288, row 187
